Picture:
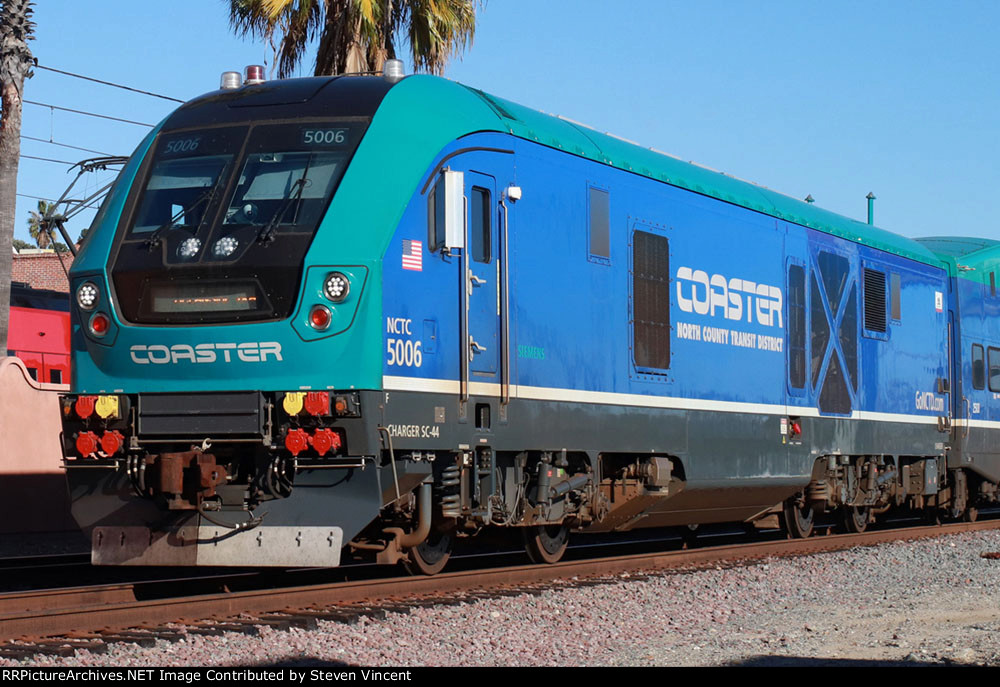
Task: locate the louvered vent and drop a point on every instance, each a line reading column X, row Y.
column 874, row 300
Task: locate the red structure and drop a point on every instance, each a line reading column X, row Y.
column 39, row 332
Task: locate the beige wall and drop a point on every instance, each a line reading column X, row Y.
column 33, row 494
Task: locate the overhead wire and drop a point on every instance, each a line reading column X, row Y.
column 107, row 83
column 64, row 145
column 89, row 114
column 48, row 159
column 93, row 200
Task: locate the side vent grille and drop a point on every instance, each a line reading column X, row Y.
column 874, row 300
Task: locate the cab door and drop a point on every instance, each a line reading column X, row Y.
column 483, row 273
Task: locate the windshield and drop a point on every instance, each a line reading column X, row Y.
column 224, row 216
column 286, row 178
column 189, row 167
column 212, row 194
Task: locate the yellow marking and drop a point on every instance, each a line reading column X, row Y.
column 293, row 402
column 107, row 406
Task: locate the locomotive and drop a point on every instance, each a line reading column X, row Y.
column 367, row 316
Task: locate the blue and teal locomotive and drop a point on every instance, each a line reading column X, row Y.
column 369, row 316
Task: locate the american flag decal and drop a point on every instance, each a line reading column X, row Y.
column 413, row 257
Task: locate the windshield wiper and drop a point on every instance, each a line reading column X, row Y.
column 266, row 233
column 154, row 239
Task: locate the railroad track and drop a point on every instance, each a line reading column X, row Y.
column 65, row 620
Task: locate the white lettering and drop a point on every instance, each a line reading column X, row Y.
column 135, row 359
column 158, row 349
column 249, row 352
column 181, row 352
column 715, row 295
column 205, row 353
column 398, row 325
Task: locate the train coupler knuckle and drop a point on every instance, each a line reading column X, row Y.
column 187, row 478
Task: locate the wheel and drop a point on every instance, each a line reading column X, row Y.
column 429, row 557
column 959, row 496
column 971, row 514
column 546, row 543
column 798, row 519
column 689, row 535
column 856, row 518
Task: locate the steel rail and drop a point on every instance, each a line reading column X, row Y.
column 66, row 612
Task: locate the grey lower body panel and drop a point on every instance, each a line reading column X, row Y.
column 327, row 508
column 263, row 546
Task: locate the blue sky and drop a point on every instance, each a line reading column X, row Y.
column 833, row 99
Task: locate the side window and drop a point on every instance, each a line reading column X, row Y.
column 796, row 326
column 978, row 369
column 849, row 336
column 994, row 360
column 480, row 225
column 650, row 301
column 600, row 224
column 897, row 307
column 55, row 376
column 435, row 215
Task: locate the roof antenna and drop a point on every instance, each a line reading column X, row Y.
column 871, row 207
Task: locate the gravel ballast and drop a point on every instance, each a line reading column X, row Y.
column 930, row 601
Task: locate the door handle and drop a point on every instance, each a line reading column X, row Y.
column 476, row 348
column 476, row 281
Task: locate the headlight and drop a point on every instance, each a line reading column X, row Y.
column 225, row 247
column 189, row 248
column 87, row 295
column 336, row 287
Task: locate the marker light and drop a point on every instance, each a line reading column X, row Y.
column 231, row 80
column 336, row 287
column 320, row 317
column 87, row 295
column 99, row 324
column 225, row 247
column 255, row 74
column 189, row 247
column 392, row 70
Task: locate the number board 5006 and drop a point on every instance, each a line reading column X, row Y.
column 324, row 137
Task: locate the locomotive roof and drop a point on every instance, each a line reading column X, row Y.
column 416, row 117
column 579, row 139
column 966, row 256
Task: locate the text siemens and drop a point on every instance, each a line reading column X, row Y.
column 248, row 352
column 700, row 293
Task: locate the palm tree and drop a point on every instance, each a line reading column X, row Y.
column 358, row 35
column 16, row 29
column 43, row 239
